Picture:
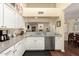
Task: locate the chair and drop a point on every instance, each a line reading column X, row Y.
column 76, row 41
column 70, row 38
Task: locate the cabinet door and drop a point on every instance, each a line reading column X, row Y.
column 9, row 52
column 19, row 21
column 29, row 43
column 22, row 22
column 1, row 15
column 58, row 43
column 34, row 43
column 25, row 43
column 9, row 17
column 19, row 49
column 39, row 43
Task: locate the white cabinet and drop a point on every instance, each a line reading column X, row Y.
column 19, row 49
column 29, row 43
column 15, row 50
column 19, row 21
column 39, row 43
column 9, row 52
column 9, row 17
column 34, row 43
column 58, row 43
column 1, row 15
column 44, row 12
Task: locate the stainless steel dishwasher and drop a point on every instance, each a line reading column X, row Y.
column 49, row 42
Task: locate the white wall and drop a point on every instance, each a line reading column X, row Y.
column 51, row 21
column 71, row 14
column 60, row 29
column 69, row 28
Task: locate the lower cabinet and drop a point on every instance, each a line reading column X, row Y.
column 58, row 43
column 9, row 52
column 16, row 50
column 19, row 49
column 29, row 43
column 34, row 43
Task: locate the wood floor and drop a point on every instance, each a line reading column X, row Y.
column 69, row 51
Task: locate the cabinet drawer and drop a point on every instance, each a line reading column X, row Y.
column 19, row 48
column 8, row 52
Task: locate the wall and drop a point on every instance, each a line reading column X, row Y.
column 45, row 25
column 66, row 31
column 51, row 21
column 41, row 5
column 69, row 27
column 71, row 14
column 62, row 5
column 60, row 30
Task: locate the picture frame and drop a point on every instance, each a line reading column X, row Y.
column 58, row 23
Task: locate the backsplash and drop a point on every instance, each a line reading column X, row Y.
column 15, row 32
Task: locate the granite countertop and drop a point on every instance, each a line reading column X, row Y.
column 7, row 44
column 41, row 34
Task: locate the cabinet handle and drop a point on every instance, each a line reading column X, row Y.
column 7, row 52
column 14, row 51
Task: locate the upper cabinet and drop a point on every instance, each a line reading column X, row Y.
column 10, row 18
column 43, row 12
column 1, row 15
column 19, row 21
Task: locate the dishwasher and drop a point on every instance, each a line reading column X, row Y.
column 50, row 43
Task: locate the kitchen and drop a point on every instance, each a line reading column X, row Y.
column 31, row 27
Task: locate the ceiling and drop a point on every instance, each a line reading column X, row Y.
column 72, row 11
column 40, row 5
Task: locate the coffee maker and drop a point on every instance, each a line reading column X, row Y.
column 4, row 35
